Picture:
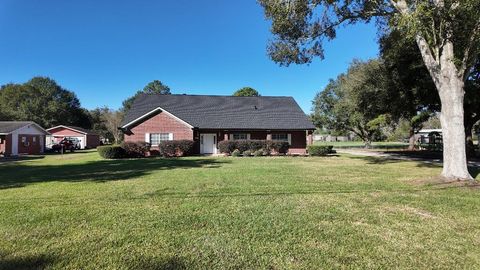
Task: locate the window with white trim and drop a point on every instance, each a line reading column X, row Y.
column 240, row 136
column 280, row 137
column 156, row 138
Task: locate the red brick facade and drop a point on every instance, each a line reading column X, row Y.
column 165, row 123
column 160, row 123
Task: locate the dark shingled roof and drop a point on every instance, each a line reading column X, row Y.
column 9, row 126
column 225, row 112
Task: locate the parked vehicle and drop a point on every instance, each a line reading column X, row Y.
column 76, row 142
column 64, row 145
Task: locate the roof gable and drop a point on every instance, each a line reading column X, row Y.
column 7, row 127
column 223, row 112
column 77, row 129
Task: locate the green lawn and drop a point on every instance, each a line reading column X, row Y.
column 81, row 212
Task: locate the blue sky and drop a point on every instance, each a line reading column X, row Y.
column 106, row 50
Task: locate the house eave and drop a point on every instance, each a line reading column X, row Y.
column 152, row 112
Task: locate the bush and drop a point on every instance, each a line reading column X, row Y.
column 175, row 148
column 278, row 147
column 227, row 147
column 247, row 153
column 236, row 153
column 185, row 147
column 258, row 153
column 242, row 145
column 111, row 151
column 320, row 150
column 254, row 145
column 135, row 149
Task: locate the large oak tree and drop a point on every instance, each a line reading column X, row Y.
column 447, row 34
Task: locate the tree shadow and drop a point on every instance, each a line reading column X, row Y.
column 25, row 262
column 169, row 263
column 18, row 175
column 421, row 163
column 19, row 158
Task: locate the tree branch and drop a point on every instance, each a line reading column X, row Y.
column 466, row 54
column 432, row 65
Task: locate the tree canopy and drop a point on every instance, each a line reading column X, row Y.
column 346, row 103
column 447, row 34
column 153, row 87
column 43, row 101
column 246, row 92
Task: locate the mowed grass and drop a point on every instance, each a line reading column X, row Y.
column 81, row 212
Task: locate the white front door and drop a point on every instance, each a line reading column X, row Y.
column 208, row 144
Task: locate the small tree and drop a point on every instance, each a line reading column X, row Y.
column 246, row 92
column 112, row 120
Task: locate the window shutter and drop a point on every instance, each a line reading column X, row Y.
column 170, row 136
column 248, row 136
column 231, row 137
column 289, row 136
column 147, row 137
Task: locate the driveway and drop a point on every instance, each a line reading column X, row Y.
column 397, row 156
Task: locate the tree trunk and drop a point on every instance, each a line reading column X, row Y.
column 453, row 130
column 411, row 140
column 449, row 84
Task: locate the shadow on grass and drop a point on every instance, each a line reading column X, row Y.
column 25, row 262
column 18, row 175
column 19, row 158
column 170, row 263
column 422, row 163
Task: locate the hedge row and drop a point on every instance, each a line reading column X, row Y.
column 320, row 150
column 177, row 148
column 275, row 147
column 143, row 149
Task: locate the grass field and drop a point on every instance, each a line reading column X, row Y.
column 81, row 212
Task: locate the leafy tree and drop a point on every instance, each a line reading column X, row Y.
column 447, row 34
column 346, row 103
column 111, row 121
column 99, row 124
column 246, row 92
column 153, row 87
column 43, row 101
column 472, row 105
column 412, row 93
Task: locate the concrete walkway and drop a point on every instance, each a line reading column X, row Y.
column 396, row 156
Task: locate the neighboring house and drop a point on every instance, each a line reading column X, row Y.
column 87, row 138
column 209, row 119
column 21, row 137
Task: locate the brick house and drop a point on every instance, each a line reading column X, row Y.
column 21, row 137
column 206, row 120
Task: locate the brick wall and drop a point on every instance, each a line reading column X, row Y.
column 299, row 138
column 160, row 123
